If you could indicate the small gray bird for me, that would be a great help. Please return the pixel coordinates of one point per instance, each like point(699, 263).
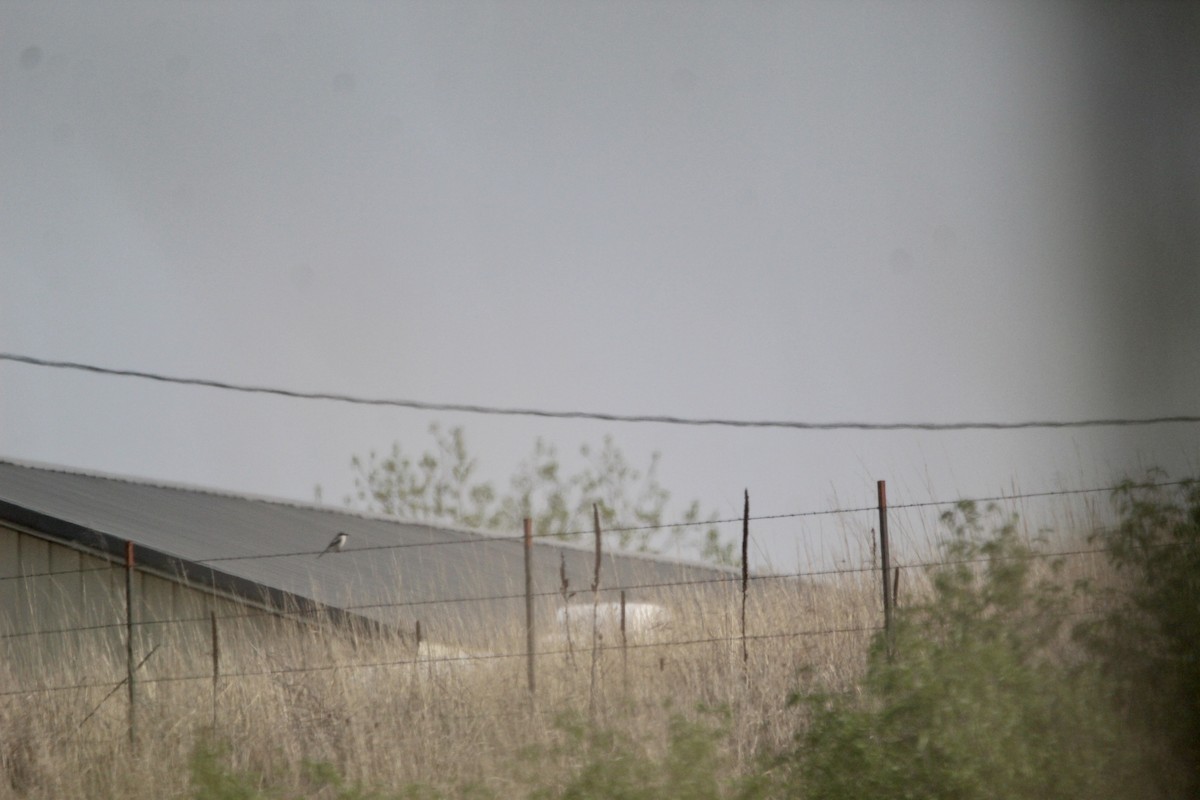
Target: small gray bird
point(336, 545)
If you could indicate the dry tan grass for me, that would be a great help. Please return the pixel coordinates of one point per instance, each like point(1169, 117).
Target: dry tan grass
point(386, 714)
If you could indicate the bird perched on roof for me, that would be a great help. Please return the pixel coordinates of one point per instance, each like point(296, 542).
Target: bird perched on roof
point(336, 545)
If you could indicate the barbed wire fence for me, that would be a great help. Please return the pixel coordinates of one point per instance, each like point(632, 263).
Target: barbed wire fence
point(731, 636)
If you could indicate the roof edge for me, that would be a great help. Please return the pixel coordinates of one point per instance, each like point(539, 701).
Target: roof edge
point(350, 512)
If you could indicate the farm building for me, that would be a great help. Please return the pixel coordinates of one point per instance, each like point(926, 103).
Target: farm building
point(200, 557)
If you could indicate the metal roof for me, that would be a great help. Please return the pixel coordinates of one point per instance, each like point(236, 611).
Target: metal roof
point(391, 572)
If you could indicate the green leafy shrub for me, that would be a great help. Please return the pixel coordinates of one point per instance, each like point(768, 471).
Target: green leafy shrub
point(971, 696)
point(1150, 640)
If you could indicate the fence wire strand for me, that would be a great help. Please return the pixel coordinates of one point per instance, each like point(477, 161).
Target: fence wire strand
point(480, 657)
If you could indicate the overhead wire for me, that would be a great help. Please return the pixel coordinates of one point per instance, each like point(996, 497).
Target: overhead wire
point(665, 419)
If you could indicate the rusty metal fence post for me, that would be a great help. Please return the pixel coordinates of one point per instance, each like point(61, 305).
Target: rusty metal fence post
point(529, 639)
point(216, 669)
point(885, 558)
point(745, 574)
point(130, 664)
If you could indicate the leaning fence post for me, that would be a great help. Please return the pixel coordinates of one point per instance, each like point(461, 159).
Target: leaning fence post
point(529, 603)
point(130, 666)
point(883, 554)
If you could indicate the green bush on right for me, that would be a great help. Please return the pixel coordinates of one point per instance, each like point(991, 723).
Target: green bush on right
point(975, 694)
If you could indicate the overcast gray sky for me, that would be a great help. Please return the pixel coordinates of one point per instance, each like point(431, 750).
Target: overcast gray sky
point(878, 211)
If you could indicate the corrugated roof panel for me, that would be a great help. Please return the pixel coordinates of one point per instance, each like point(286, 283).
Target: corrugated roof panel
point(390, 571)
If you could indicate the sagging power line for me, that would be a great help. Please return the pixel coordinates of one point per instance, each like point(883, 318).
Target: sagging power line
point(664, 419)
